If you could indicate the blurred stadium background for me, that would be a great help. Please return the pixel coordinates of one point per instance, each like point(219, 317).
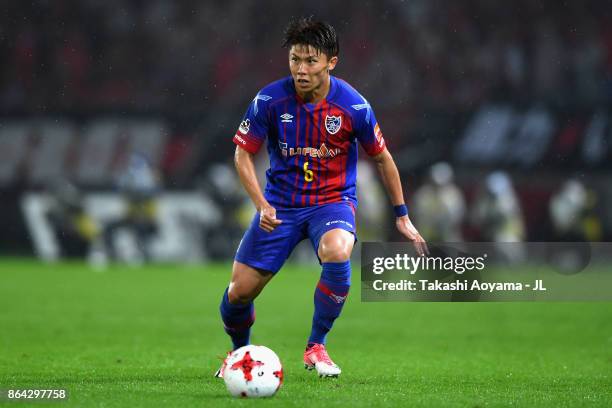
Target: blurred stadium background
point(108, 103)
point(116, 120)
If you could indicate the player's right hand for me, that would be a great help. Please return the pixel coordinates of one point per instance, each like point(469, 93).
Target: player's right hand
point(405, 227)
point(267, 219)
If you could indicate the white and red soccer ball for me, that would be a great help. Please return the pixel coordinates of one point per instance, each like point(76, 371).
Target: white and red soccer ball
point(253, 371)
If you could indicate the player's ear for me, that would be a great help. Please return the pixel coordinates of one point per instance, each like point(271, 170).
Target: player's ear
point(331, 64)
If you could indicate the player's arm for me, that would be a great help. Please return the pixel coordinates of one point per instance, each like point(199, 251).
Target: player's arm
point(391, 180)
point(245, 165)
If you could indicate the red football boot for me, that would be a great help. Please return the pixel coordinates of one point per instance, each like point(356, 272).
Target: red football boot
point(316, 357)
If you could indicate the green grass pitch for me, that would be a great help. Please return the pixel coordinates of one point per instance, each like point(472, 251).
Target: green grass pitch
point(152, 337)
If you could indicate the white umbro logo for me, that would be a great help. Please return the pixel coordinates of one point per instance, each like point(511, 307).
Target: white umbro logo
point(286, 117)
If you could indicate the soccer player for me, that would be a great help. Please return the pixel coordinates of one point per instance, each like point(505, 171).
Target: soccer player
point(312, 122)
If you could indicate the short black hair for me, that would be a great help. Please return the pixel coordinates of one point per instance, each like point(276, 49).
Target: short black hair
point(318, 34)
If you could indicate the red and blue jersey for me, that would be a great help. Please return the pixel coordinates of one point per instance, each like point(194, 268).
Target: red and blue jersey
point(312, 146)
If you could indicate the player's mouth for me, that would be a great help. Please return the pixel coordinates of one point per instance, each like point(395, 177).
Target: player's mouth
point(303, 82)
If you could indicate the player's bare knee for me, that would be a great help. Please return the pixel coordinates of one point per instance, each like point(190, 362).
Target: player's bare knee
point(334, 252)
point(336, 246)
point(238, 296)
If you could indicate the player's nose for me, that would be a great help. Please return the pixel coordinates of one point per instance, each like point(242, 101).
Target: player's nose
point(301, 70)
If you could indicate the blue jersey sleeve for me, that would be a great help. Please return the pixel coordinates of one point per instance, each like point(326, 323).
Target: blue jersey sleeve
point(367, 131)
point(255, 125)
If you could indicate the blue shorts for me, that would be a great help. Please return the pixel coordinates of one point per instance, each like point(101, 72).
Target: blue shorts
point(269, 250)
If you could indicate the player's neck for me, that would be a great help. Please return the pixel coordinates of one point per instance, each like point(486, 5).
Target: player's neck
point(318, 94)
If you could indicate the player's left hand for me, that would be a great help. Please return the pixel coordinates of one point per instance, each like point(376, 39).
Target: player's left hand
point(267, 218)
point(405, 227)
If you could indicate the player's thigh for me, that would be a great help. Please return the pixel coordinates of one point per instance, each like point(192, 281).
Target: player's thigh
point(247, 283)
point(336, 245)
point(331, 229)
point(266, 252)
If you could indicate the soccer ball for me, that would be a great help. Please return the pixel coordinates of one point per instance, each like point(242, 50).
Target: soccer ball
point(253, 371)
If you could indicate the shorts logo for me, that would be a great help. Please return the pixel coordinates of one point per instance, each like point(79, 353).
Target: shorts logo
point(333, 124)
point(286, 117)
point(244, 126)
point(339, 222)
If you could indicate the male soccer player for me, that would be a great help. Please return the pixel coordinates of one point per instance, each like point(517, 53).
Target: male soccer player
point(312, 122)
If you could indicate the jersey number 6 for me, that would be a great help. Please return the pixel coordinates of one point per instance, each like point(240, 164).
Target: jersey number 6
point(308, 175)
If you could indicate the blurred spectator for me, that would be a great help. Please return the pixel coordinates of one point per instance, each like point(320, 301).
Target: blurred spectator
point(497, 212)
point(498, 216)
point(572, 211)
point(140, 187)
point(223, 186)
point(76, 232)
point(439, 206)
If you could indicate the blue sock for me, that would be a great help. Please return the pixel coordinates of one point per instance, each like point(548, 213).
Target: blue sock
point(329, 297)
point(237, 321)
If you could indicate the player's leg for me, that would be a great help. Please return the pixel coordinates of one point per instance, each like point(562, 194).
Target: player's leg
point(260, 255)
point(333, 238)
point(332, 289)
point(237, 308)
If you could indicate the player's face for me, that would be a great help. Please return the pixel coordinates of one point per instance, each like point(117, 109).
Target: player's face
point(309, 68)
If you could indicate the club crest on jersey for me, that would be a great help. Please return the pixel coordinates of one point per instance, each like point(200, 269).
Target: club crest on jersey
point(333, 124)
